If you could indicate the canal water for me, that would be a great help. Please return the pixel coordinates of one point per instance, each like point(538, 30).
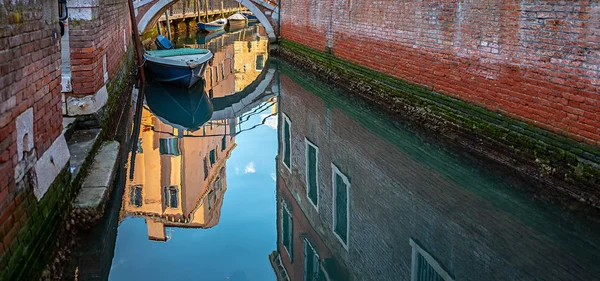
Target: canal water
point(264, 172)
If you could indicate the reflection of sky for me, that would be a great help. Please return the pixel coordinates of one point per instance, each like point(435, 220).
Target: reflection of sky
point(237, 248)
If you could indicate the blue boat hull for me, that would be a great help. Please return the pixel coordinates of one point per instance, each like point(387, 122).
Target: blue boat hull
point(176, 76)
point(209, 27)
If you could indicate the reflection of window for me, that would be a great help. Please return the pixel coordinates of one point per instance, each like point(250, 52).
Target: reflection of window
point(210, 93)
point(260, 62)
point(312, 181)
point(135, 195)
point(205, 168)
point(287, 142)
point(218, 184)
point(312, 269)
point(213, 157)
point(139, 146)
point(210, 200)
point(287, 230)
point(425, 267)
point(341, 193)
point(223, 70)
point(223, 143)
point(169, 147)
point(170, 193)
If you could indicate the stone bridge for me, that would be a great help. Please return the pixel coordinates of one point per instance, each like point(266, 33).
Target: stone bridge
point(148, 12)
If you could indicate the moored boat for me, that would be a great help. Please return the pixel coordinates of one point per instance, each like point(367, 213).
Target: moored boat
point(213, 25)
point(250, 16)
point(180, 67)
point(237, 20)
point(163, 43)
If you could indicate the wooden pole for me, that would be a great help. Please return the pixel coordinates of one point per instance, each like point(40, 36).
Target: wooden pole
point(222, 15)
point(206, 11)
point(158, 27)
point(168, 24)
point(198, 9)
point(137, 42)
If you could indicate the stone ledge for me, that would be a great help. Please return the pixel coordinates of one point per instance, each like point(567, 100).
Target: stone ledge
point(91, 200)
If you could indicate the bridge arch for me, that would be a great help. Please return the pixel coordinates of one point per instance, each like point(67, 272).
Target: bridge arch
point(156, 8)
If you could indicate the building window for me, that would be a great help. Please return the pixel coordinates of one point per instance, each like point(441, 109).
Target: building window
point(341, 206)
point(135, 196)
point(312, 174)
point(312, 268)
point(287, 230)
point(260, 62)
point(223, 143)
point(171, 196)
point(169, 147)
point(210, 199)
point(424, 267)
point(287, 142)
point(213, 157)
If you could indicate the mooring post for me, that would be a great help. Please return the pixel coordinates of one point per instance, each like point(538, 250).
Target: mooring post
point(137, 42)
point(206, 11)
point(168, 24)
point(158, 27)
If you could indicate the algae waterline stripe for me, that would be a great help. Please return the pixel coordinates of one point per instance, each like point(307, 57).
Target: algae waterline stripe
point(426, 97)
point(577, 162)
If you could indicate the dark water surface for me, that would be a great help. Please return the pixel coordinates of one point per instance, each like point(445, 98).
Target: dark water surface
point(265, 173)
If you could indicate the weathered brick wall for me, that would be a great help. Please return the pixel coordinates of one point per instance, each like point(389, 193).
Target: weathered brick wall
point(404, 189)
point(536, 61)
point(29, 78)
point(92, 40)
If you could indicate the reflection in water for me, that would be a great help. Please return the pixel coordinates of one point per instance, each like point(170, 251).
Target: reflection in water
point(178, 176)
point(359, 199)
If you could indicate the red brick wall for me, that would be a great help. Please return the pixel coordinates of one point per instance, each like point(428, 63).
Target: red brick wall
point(537, 61)
point(91, 40)
point(29, 77)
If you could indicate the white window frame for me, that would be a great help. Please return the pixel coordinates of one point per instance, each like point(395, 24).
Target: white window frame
point(336, 171)
point(285, 209)
point(417, 250)
point(306, 242)
point(286, 145)
point(307, 144)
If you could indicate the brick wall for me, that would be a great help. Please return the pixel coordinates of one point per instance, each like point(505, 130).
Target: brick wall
point(92, 40)
point(536, 61)
point(29, 78)
point(402, 188)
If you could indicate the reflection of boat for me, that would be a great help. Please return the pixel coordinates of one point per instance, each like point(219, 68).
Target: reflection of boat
point(237, 20)
point(181, 67)
point(205, 38)
point(163, 43)
point(180, 108)
point(213, 25)
point(250, 16)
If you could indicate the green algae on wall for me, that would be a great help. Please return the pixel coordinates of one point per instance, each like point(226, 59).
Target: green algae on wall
point(553, 159)
point(34, 244)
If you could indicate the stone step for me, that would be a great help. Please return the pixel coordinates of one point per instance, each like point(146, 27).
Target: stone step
point(80, 145)
point(97, 184)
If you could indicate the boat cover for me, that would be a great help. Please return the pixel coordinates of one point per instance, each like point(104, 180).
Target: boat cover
point(176, 52)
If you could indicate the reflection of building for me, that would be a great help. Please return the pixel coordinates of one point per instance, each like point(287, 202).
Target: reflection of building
point(251, 58)
point(179, 169)
point(178, 175)
point(357, 200)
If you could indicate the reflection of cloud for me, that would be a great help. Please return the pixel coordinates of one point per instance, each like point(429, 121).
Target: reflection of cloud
point(237, 170)
point(250, 168)
point(271, 121)
point(274, 177)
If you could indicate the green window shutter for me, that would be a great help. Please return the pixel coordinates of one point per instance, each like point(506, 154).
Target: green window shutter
point(287, 155)
point(213, 157)
point(312, 174)
point(341, 203)
point(223, 143)
point(205, 168)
